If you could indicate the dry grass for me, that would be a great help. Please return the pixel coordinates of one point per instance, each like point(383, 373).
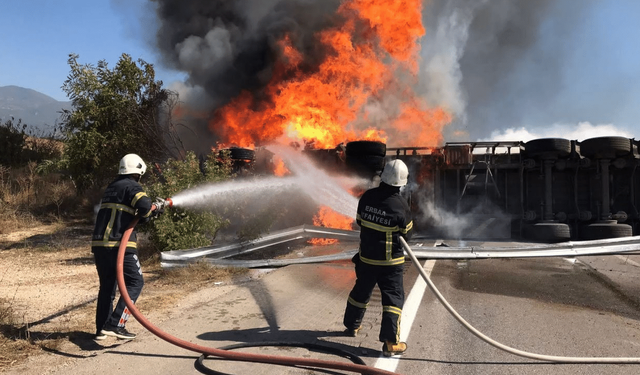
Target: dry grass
point(198, 273)
point(13, 348)
point(12, 221)
point(18, 341)
point(48, 282)
point(51, 265)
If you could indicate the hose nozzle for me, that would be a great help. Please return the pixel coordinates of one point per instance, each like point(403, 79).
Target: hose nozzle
point(161, 204)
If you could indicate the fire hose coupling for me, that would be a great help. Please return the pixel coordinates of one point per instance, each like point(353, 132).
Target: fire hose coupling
point(161, 204)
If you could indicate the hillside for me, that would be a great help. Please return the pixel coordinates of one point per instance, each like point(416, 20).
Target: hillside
point(32, 107)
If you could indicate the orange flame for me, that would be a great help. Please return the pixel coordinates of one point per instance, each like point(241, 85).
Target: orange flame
point(279, 169)
point(398, 25)
point(377, 42)
point(328, 218)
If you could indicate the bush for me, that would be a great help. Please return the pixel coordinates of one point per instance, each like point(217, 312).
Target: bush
point(21, 144)
point(12, 140)
point(178, 228)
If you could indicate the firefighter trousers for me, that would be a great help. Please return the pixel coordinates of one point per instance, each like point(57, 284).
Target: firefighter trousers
point(389, 280)
point(106, 263)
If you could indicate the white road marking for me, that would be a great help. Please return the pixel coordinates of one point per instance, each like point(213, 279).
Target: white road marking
point(409, 312)
point(628, 261)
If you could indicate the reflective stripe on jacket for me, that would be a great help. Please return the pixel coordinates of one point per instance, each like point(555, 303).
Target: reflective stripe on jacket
point(383, 215)
point(121, 202)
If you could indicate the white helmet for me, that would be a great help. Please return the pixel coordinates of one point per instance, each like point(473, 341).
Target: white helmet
point(395, 173)
point(132, 164)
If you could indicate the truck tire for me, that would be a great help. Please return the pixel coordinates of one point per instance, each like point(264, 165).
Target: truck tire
point(548, 148)
point(605, 147)
point(238, 153)
point(547, 232)
point(606, 229)
point(365, 163)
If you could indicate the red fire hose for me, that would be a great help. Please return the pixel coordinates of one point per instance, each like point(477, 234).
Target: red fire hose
point(247, 357)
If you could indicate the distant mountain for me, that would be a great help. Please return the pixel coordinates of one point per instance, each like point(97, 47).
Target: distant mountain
point(32, 107)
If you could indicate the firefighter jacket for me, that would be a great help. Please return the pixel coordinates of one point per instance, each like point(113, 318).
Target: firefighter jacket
point(122, 201)
point(383, 215)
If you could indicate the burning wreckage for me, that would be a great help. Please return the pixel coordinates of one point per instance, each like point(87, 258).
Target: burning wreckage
point(549, 190)
point(359, 74)
point(544, 190)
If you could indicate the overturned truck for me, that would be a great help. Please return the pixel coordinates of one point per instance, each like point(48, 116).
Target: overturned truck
point(547, 190)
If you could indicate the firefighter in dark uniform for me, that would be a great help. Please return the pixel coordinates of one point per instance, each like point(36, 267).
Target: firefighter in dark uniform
point(122, 201)
point(383, 215)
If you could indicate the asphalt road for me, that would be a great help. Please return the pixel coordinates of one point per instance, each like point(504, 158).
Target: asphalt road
point(588, 307)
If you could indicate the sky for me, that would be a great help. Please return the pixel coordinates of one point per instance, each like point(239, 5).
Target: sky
point(37, 36)
point(507, 69)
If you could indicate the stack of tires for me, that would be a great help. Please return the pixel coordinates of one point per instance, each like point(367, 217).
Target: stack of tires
point(365, 158)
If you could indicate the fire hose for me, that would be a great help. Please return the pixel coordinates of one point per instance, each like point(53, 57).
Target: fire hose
point(221, 353)
point(508, 349)
point(358, 368)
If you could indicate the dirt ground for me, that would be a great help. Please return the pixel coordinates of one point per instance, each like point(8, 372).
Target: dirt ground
point(48, 289)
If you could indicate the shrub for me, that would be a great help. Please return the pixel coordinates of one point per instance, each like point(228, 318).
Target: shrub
point(179, 228)
point(21, 144)
point(12, 140)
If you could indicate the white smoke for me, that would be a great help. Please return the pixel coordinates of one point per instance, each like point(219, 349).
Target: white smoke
point(578, 132)
point(196, 96)
point(442, 48)
point(207, 54)
point(502, 71)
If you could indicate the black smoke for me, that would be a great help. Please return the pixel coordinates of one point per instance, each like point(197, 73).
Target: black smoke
point(494, 64)
point(230, 46)
point(226, 47)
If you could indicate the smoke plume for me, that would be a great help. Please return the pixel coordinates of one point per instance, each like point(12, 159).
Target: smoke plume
point(504, 64)
point(325, 71)
point(228, 46)
point(492, 64)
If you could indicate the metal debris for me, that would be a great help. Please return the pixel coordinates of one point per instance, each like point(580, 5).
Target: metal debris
point(217, 254)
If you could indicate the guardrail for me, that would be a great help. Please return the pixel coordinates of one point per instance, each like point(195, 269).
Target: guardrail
point(217, 254)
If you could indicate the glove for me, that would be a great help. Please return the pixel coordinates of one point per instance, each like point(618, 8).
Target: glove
point(157, 212)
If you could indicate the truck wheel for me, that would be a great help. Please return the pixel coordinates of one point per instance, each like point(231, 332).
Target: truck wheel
point(237, 153)
point(548, 148)
point(605, 147)
point(605, 229)
point(365, 163)
point(547, 232)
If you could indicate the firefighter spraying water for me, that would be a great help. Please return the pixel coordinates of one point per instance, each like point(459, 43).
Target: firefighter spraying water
point(384, 217)
point(124, 202)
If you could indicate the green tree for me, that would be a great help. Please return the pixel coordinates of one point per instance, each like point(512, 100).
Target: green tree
point(115, 112)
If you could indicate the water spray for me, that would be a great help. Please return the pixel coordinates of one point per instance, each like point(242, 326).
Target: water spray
point(307, 178)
